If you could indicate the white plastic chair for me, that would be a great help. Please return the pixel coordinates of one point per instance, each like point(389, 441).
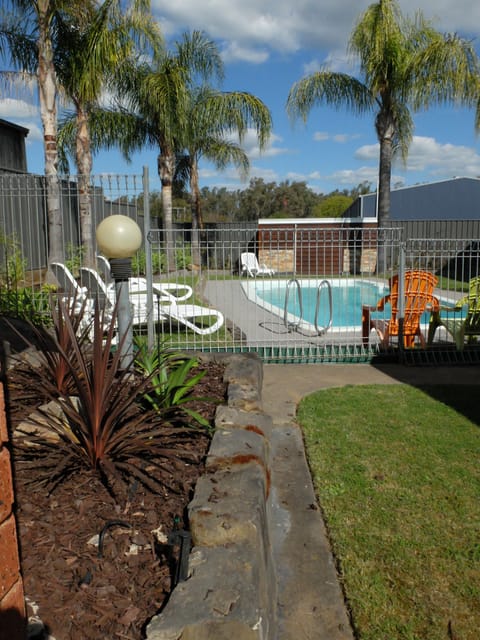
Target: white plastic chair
point(250, 265)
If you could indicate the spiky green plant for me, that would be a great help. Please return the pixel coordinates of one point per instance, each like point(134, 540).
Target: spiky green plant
point(172, 382)
point(101, 422)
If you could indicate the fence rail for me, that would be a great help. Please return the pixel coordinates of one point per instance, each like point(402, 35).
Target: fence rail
point(333, 268)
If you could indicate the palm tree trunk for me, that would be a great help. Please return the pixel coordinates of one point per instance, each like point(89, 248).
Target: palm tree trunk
point(47, 87)
point(166, 169)
point(385, 130)
point(84, 167)
point(197, 222)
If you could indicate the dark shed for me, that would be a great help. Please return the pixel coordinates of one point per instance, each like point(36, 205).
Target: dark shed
point(455, 199)
point(13, 157)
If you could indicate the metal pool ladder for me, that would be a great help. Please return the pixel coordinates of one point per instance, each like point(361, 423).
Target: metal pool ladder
point(324, 284)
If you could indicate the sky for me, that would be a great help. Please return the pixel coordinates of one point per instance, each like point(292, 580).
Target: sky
point(268, 45)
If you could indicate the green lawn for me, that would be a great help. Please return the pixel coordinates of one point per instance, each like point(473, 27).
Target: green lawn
point(397, 474)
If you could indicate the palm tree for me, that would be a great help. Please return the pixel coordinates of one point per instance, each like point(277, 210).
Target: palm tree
point(212, 116)
point(406, 65)
point(156, 109)
point(89, 53)
point(153, 110)
point(31, 52)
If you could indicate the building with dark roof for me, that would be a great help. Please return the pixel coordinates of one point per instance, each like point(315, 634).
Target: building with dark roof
point(454, 199)
point(13, 156)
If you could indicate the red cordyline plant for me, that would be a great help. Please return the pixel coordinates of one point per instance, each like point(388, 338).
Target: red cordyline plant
point(97, 418)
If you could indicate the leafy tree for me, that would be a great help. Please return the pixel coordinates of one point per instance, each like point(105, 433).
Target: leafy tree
point(220, 204)
point(294, 200)
point(406, 65)
point(258, 200)
point(333, 206)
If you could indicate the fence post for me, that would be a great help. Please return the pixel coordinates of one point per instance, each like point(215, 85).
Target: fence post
point(401, 295)
point(148, 258)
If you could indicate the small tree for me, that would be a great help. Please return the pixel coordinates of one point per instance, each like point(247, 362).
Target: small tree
point(333, 206)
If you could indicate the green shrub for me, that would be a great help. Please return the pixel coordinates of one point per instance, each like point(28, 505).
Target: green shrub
point(27, 304)
point(13, 264)
point(74, 259)
point(183, 257)
point(139, 265)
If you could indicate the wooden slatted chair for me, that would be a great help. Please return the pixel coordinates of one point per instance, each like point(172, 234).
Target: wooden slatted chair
point(418, 295)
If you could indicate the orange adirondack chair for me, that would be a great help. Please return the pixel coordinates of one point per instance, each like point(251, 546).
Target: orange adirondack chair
point(418, 293)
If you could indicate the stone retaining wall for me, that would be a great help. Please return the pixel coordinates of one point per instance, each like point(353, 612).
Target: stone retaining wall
point(12, 604)
point(231, 588)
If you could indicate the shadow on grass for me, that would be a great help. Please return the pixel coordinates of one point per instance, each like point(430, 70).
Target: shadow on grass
point(440, 374)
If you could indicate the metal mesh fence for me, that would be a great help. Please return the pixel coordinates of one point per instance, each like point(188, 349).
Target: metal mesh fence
point(292, 293)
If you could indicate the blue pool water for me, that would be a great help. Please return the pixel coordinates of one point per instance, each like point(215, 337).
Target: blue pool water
point(348, 296)
point(347, 300)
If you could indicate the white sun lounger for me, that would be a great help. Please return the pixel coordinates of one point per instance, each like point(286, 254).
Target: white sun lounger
point(180, 291)
point(165, 307)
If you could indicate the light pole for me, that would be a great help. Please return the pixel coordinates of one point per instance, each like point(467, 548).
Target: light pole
point(118, 238)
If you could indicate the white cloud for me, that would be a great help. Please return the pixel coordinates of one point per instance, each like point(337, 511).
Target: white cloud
point(235, 52)
point(432, 158)
point(342, 178)
point(12, 109)
point(340, 138)
point(251, 148)
point(367, 152)
point(230, 178)
point(35, 133)
point(277, 25)
point(269, 175)
point(428, 155)
point(24, 114)
point(353, 176)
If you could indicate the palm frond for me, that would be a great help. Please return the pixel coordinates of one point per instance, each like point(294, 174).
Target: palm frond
point(334, 89)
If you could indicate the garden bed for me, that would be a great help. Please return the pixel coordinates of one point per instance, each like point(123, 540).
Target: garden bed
point(91, 568)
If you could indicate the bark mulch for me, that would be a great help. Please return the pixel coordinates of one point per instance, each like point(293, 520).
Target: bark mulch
point(93, 569)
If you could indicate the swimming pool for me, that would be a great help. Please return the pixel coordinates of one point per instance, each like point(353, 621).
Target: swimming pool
point(348, 296)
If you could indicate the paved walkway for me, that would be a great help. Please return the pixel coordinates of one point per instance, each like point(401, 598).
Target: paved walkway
point(311, 605)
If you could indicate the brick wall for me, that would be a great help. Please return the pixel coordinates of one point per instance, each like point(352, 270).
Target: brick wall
point(12, 604)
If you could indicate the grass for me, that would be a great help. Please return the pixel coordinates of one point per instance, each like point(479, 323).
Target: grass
point(397, 474)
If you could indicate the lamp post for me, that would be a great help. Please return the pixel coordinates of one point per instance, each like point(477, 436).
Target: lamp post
point(118, 238)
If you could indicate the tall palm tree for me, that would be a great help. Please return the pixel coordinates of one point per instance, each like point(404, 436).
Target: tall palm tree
point(89, 53)
point(406, 65)
point(31, 50)
point(212, 116)
point(153, 110)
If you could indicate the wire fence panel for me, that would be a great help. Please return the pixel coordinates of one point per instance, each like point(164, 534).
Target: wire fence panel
point(289, 291)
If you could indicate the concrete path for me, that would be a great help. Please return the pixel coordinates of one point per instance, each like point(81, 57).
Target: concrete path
point(310, 599)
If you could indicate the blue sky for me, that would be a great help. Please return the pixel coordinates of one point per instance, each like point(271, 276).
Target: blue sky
point(267, 45)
